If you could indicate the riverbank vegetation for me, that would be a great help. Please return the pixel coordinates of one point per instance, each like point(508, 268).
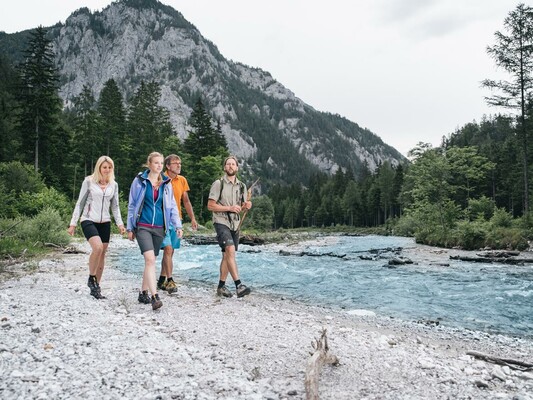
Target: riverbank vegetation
point(472, 191)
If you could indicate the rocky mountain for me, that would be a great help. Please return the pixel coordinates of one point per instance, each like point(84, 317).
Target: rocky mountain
point(263, 121)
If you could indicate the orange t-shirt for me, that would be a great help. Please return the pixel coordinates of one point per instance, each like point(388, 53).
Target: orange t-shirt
point(180, 186)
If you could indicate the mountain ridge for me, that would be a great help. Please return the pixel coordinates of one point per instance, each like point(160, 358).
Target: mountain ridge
point(264, 122)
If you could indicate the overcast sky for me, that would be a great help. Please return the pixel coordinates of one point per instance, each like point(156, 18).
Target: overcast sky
point(408, 70)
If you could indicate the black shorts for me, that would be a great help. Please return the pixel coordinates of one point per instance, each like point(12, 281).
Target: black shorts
point(226, 237)
point(91, 229)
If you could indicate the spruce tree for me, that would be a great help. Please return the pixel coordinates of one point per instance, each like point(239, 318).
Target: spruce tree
point(204, 149)
point(112, 119)
point(10, 143)
point(85, 139)
point(148, 124)
point(514, 53)
point(39, 102)
point(117, 144)
point(203, 139)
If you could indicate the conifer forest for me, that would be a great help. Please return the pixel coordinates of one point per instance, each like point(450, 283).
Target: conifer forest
point(471, 190)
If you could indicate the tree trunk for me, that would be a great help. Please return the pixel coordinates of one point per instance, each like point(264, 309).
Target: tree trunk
point(525, 167)
point(36, 144)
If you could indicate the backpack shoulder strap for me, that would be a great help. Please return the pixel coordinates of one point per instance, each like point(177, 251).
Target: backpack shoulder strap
point(241, 186)
point(221, 188)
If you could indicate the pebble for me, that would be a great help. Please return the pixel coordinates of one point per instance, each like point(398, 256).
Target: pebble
point(498, 373)
point(196, 347)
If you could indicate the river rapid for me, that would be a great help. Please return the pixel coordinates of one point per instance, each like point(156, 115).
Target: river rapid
point(352, 273)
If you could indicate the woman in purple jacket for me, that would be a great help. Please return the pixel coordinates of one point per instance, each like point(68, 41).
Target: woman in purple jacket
point(152, 211)
point(98, 194)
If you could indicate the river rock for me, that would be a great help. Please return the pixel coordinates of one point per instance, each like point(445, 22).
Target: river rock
point(199, 346)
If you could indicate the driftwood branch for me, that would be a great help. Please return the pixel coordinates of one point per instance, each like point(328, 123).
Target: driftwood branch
point(72, 250)
point(513, 364)
point(10, 227)
point(248, 198)
point(310, 254)
point(318, 359)
point(53, 245)
point(242, 219)
point(502, 260)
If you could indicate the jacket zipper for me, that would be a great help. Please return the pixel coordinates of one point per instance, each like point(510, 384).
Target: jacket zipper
point(103, 199)
point(154, 201)
point(164, 213)
point(141, 195)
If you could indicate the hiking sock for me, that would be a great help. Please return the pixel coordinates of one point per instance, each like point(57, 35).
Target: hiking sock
point(169, 279)
point(237, 283)
point(161, 280)
point(221, 284)
point(92, 282)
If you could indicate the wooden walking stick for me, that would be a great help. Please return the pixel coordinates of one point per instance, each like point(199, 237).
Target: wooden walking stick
point(248, 198)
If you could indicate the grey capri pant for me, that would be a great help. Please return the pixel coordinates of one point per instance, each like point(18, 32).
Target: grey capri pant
point(150, 238)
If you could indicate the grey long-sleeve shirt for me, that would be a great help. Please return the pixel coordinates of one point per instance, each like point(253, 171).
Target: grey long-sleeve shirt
point(97, 203)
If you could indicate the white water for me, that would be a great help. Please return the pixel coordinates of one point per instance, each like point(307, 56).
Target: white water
point(487, 297)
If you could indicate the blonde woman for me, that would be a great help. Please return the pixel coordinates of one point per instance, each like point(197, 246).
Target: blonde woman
point(98, 195)
point(152, 211)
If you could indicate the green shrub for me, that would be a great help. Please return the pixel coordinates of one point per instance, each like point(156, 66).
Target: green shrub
point(8, 203)
point(436, 236)
point(506, 238)
point(404, 226)
point(482, 207)
point(18, 177)
point(525, 221)
point(471, 234)
point(261, 216)
point(501, 219)
point(23, 192)
point(31, 204)
point(46, 227)
point(12, 247)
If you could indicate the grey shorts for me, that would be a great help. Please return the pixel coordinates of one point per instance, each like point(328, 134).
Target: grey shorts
point(150, 238)
point(226, 237)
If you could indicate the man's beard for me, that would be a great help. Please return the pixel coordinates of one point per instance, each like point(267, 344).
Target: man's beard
point(231, 173)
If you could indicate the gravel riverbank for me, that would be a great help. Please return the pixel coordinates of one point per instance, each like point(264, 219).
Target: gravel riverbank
point(58, 342)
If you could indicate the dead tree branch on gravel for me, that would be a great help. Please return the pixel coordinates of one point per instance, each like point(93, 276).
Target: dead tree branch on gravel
point(513, 364)
point(318, 359)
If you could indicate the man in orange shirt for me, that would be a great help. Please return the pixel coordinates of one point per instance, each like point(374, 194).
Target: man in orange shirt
point(171, 242)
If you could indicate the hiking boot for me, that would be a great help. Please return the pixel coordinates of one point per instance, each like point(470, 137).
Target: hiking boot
point(156, 302)
point(242, 290)
point(171, 286)
point(162, 285)
point(92, 282)
point(224, 292)
point(143, 297)
point(95, 292)
point(95, 288)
